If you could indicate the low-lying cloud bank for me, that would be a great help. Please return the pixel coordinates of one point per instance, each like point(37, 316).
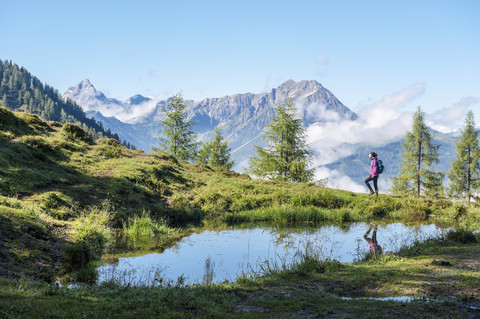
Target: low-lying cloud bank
point(378, 122)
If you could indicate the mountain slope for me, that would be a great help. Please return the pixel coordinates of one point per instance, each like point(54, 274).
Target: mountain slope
point(20, 91)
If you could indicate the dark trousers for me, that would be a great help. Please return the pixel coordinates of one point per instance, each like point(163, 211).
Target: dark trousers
point(374, 179)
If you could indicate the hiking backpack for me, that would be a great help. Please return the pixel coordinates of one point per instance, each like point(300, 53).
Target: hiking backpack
point(380, 167)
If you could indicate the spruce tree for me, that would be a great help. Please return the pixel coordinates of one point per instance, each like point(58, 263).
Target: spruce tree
point(287, 155)
point(216, 153)
point(465, 172)
point(419, 155)
point(179, 139)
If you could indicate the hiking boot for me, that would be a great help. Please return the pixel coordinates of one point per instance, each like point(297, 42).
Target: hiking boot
point(371, 193)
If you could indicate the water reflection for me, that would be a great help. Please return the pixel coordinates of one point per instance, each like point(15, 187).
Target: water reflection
point(374, 249)
point(216, 256)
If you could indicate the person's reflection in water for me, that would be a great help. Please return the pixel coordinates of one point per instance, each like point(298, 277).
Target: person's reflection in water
point(374, 249)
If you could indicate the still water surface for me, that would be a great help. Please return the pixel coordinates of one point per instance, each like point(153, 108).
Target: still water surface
point(216, 256)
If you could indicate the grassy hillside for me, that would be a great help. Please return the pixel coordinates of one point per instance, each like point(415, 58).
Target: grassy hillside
point(65, 198)
point(21, 91)
point(58, 187)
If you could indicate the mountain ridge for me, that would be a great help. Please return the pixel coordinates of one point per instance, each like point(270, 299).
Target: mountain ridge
point(241, 117)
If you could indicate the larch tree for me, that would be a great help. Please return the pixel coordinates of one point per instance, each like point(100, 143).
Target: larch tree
point(419, 155)
point(178, 138)
point(287, 156)
point(465, 169)
point(216, 153)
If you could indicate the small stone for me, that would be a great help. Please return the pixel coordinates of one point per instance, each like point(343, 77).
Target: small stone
point(244, 308)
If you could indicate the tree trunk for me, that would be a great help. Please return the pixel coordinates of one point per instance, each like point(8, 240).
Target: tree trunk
point(469, 177)
point(419, 163)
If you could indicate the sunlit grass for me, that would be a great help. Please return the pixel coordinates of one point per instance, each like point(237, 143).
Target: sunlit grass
point(142, 230)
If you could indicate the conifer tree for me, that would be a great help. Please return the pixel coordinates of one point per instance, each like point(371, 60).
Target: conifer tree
point(179, 139)
point(419, 154)
point(287, 155)
point(465, 172)
point(216, 153)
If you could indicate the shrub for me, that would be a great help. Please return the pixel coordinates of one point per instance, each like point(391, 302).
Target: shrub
point(88, 274)
point(78, 255)
point(110, 148)
point(74, 132)
point(459, 212)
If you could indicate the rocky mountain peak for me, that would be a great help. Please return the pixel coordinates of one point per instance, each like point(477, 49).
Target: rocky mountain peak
point(293, 89)
point(82, 88)
point(137, 99)
point(85, 94)
point(85, 84)
point(287, 85)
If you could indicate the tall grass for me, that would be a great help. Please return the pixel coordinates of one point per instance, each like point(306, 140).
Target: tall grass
point(307, 261)
point(287, 214)
point(142, 230)
point(93, 228)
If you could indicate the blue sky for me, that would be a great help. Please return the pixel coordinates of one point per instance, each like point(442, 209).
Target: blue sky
point(362, 51)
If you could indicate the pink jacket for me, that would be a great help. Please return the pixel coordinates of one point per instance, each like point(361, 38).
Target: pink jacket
point(373, 167)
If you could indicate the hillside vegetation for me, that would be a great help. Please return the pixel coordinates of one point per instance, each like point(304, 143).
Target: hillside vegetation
point(59, 188)
point(65, 198)
point(21, 91)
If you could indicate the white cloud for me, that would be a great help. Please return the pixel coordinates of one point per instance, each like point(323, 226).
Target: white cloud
point(451, 118)
point(337, 180)
point(131, 113)
point(316, 112)
point(377, 122)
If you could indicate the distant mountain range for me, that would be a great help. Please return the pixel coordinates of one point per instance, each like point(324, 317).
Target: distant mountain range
point(241, 117)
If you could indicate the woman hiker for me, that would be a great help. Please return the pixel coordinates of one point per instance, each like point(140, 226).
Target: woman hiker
point(373, 174)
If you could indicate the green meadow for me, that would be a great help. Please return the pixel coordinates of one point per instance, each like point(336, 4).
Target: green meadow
point(66, 201)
